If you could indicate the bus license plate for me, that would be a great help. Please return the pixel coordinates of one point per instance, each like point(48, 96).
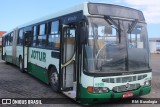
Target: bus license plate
point(127, 94)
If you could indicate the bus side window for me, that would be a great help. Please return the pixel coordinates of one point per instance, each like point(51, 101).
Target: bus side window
point(54, 36)
point(34, 36)
point(6, 40)
point(42, 36)
point(11, 39)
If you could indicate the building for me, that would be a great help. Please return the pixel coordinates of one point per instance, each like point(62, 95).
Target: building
point(1, 33)
point(154, 45)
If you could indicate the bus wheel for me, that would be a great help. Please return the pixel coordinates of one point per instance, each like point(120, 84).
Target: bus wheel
point(21, 65)
point(53, 79)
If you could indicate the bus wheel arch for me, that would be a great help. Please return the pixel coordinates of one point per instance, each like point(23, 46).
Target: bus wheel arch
point(53, 78)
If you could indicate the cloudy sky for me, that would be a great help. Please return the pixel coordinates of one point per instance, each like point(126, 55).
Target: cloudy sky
point(17, 12)
point(151, 8)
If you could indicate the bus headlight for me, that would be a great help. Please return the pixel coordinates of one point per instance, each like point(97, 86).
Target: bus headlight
point(147, 83)
point(98, 90)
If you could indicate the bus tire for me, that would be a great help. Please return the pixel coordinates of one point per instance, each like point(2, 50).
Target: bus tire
point(53, 79)
point(21, 66)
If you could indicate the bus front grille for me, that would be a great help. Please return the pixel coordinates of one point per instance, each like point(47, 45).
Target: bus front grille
point(124, 88)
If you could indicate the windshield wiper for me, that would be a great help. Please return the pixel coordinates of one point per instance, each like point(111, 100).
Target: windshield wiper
point(131, 27)
point(116, 26)
point(111, 22)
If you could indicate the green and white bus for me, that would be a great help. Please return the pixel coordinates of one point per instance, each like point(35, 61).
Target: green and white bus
point(92, 53)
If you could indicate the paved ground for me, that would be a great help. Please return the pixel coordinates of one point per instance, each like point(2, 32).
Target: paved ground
point(14, 84)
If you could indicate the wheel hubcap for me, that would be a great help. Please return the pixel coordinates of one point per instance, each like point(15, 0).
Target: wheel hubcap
point(54, 78)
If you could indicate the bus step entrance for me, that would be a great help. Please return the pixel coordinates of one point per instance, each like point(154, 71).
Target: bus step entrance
point(70, 94)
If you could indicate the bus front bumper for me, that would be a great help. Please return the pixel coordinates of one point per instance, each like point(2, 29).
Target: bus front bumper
point(91, 98)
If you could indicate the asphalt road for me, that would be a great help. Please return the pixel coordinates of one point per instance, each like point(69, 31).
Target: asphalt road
point(14, 84)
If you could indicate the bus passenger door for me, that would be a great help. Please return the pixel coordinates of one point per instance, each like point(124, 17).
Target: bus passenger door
point(68, 66)
point(27, 43)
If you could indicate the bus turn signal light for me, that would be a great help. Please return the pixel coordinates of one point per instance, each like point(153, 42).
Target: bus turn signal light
point(90, 89)
point(97, 90)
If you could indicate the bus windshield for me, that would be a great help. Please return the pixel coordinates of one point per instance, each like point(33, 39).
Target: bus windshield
point(113, 46)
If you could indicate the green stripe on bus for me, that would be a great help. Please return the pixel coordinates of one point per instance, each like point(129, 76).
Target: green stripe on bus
point(39, 72)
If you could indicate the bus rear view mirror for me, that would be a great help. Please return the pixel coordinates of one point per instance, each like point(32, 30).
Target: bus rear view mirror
point(83, 35)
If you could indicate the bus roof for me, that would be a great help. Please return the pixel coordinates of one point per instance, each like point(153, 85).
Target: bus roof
point(76, 8)
point(57, 14)
point(73, 9)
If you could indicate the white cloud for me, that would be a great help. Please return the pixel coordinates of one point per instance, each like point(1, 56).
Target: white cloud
point(150, 8)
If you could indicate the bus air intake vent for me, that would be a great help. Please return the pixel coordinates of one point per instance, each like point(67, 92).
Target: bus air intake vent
point(124, 79)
